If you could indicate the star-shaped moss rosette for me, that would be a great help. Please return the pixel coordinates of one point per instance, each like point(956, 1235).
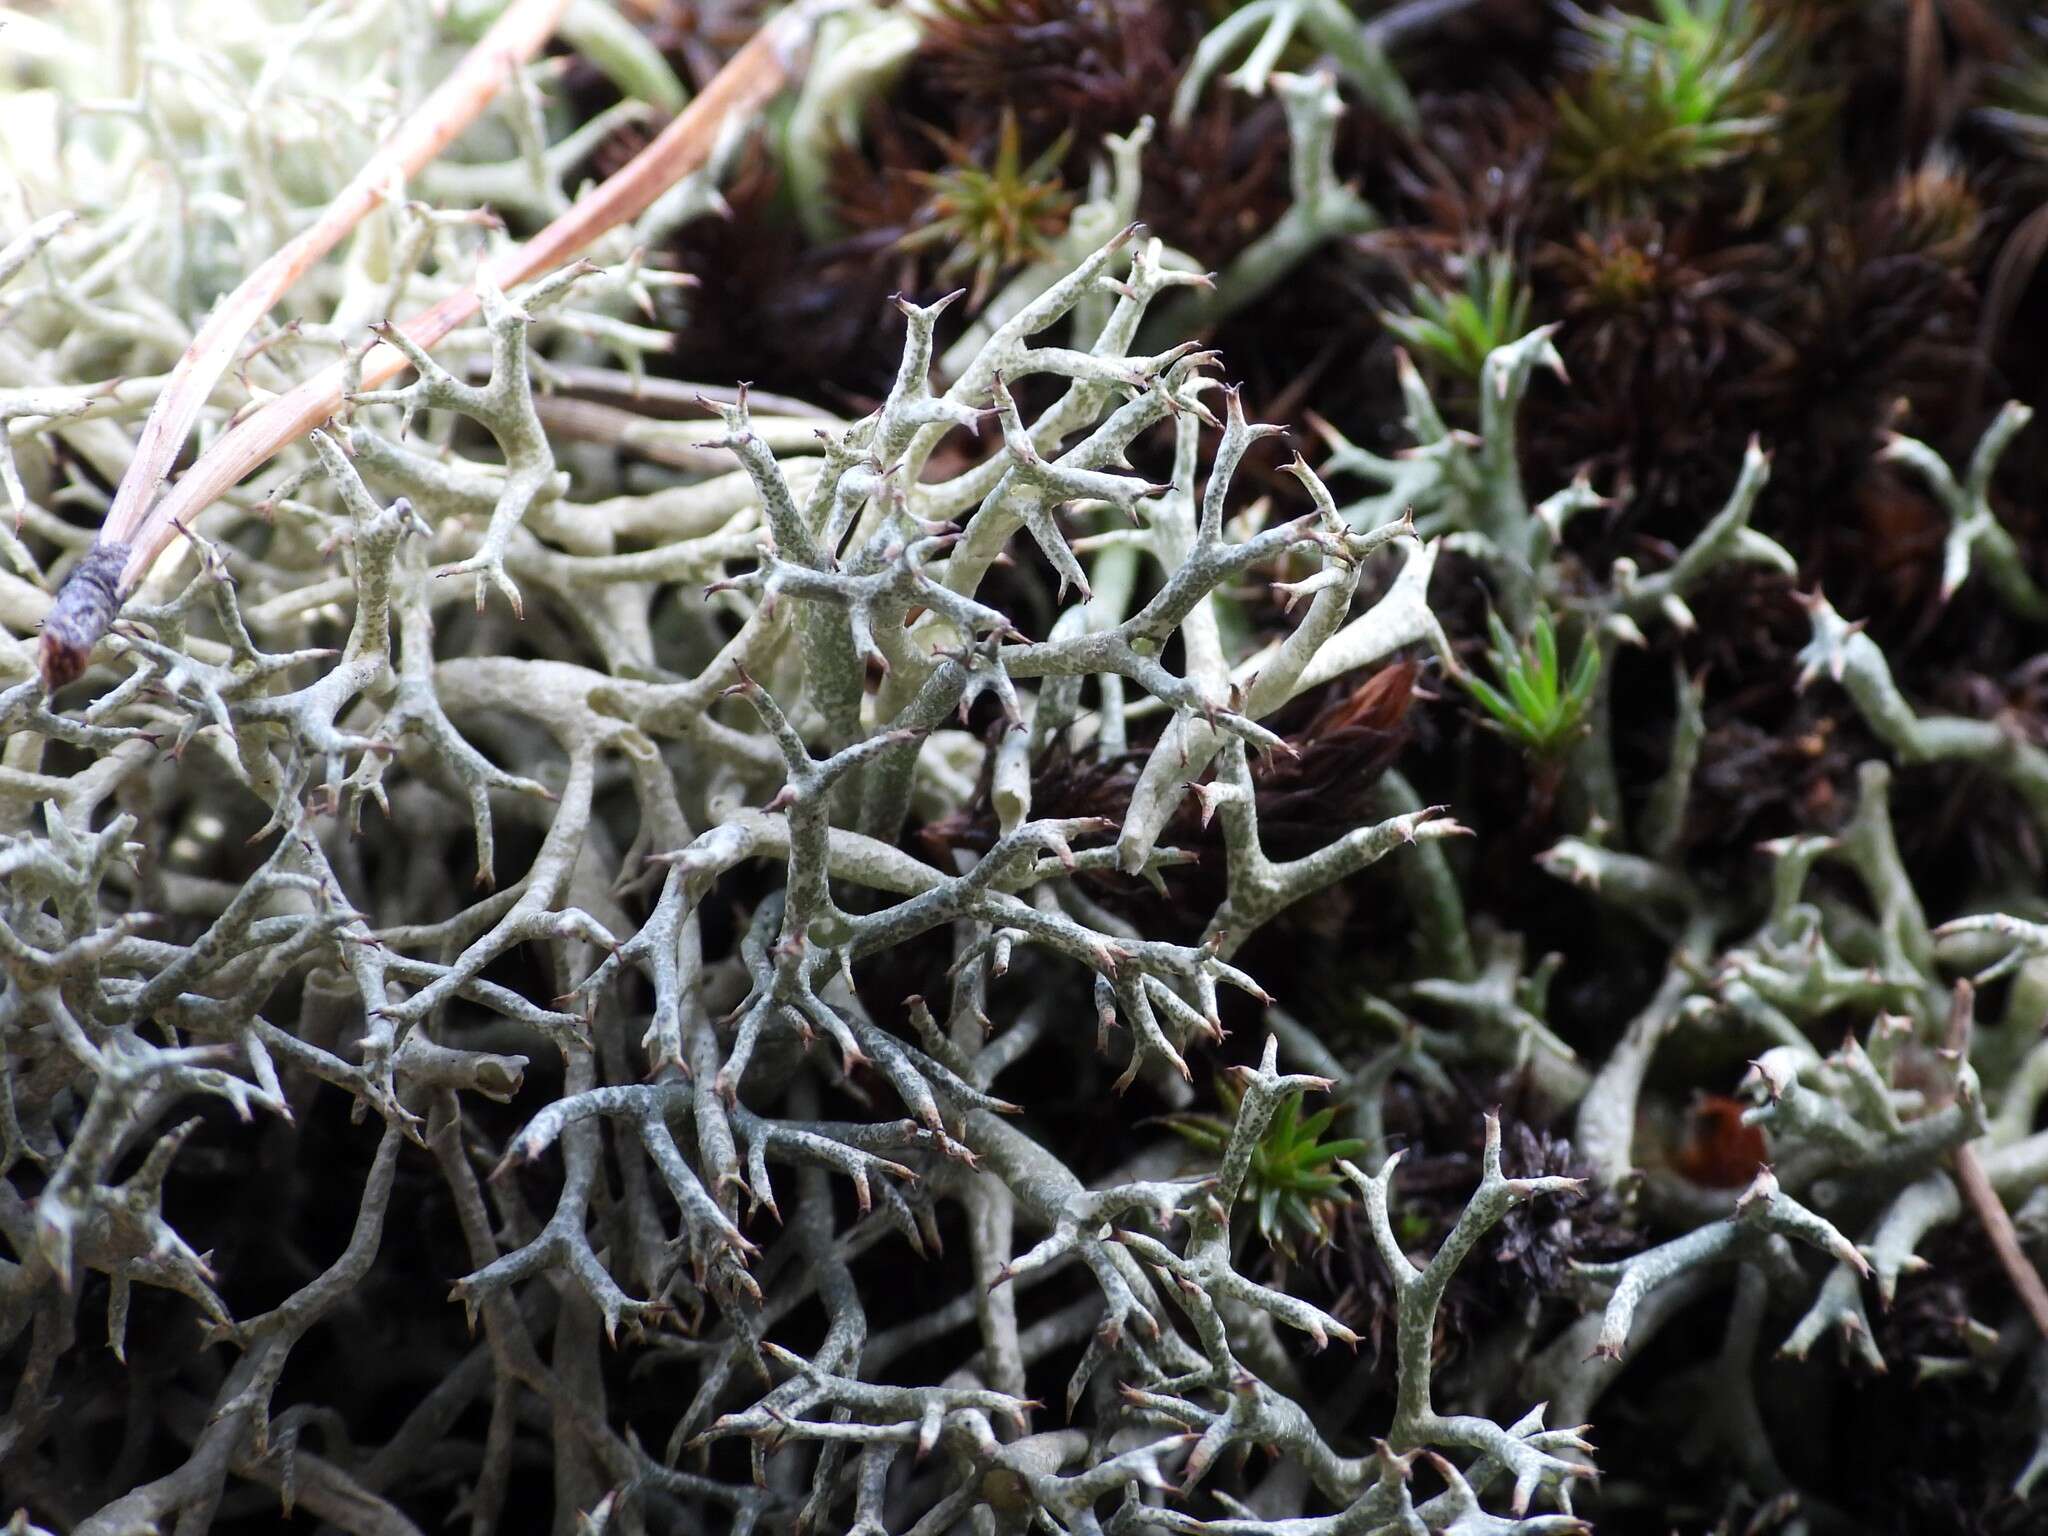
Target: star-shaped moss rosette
point(1455, 328)
point(1541, 702)
point(1295, 1187)
point(994, 220)
point(1695, 86)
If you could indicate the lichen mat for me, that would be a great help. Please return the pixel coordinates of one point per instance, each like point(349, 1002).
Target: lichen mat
point(798, 929)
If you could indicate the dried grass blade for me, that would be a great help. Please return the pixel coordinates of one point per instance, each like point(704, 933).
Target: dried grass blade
point(452, 107)
point(111, 570)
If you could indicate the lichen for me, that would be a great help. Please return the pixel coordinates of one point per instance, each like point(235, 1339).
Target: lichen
point(469, 875)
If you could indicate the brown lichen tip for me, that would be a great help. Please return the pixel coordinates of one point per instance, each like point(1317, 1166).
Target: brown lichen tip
point(84, 611)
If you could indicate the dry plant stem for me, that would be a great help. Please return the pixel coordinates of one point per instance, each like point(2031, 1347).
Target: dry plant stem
point(1982, 1199)
point(82, 615)
point(453, 106)
point(1990, 1210)
point(750, 79)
